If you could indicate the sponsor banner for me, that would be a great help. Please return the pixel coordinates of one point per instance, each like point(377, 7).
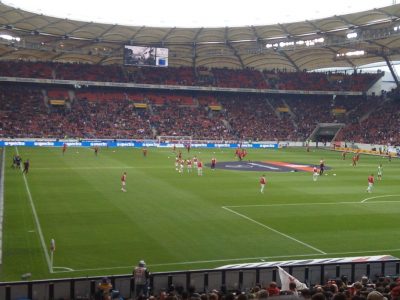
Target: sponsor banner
point(309, 262)
point(283, 109)
point(140, 105)
point(57, 102)
point(215, 107)
point(129, 143)
point(391, 150)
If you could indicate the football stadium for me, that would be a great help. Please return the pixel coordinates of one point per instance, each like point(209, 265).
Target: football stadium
point(200, 162)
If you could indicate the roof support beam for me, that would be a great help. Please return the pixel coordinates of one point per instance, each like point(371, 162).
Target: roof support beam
point(392, 71)
point(344, 20)
point(107, 31)
point(283, 53)
point(257, 37)
point(77, 28)
point(387, 14)
point(51, 23)
point(232, 48)
point(194, 49)
point(167, 34)
point(284, 30)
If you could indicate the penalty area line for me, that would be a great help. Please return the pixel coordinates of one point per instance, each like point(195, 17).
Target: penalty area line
point(274, 230)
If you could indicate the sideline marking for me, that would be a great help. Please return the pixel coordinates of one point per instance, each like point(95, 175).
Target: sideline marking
point(99, 168)
point(3, 161)
point(37, 223)
point(320, 203)
point(383, 196)
point(64, 268)
point(235, 259)
point(274, 230)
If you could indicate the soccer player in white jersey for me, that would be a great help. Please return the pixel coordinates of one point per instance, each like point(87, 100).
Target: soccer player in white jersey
point(380, 172)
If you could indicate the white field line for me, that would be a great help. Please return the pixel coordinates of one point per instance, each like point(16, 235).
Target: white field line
point(364, 201)
point(3, 162)
point(101, 168)
point(241, 259)
point(37, 223)
point(274, 230)
point(64, 268)
point(383, 196)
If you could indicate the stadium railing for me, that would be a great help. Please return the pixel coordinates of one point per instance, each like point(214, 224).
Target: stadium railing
point(233, 278)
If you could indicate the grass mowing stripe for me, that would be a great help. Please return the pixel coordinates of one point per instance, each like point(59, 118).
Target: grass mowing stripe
point(3, 162)
point(274, 230)
point(38, 227)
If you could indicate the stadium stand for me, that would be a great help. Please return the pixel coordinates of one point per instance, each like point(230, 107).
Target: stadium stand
point(184, 76)
point(141, 114)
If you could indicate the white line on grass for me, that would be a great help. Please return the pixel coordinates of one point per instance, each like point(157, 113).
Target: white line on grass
point(100, 168)
point(273, 230)
point(242, 259)
point(383, 196)
point(64, 268)
point(318, 203)
point(3, 161)
point(35, 216)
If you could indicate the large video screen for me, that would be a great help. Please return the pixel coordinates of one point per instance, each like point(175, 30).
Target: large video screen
point(145, 56)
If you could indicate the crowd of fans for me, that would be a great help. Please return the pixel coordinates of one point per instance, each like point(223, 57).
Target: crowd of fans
point(216, 77)
point(379, 288)
point(252, 118)
point(380, 127)
point(382, 288)
point(27, 111)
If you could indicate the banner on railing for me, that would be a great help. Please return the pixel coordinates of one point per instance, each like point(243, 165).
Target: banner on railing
point(132, 143)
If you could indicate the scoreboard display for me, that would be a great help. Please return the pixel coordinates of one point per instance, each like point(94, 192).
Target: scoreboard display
point(145, 56)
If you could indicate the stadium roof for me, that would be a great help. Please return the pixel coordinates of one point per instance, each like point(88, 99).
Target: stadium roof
point(302, 45)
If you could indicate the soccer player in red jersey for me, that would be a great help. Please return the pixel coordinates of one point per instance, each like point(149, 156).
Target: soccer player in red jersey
point(123, 182)
point(213, 163)
point(371, 181)
point(64, 148)
point(237, 153)
point(263, 182)
point(199, 168)
point(315, 173)
point(354, 159)
point(189, 165)
point(244, 153)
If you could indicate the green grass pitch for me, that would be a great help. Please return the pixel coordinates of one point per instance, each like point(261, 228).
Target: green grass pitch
point(183, 221)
